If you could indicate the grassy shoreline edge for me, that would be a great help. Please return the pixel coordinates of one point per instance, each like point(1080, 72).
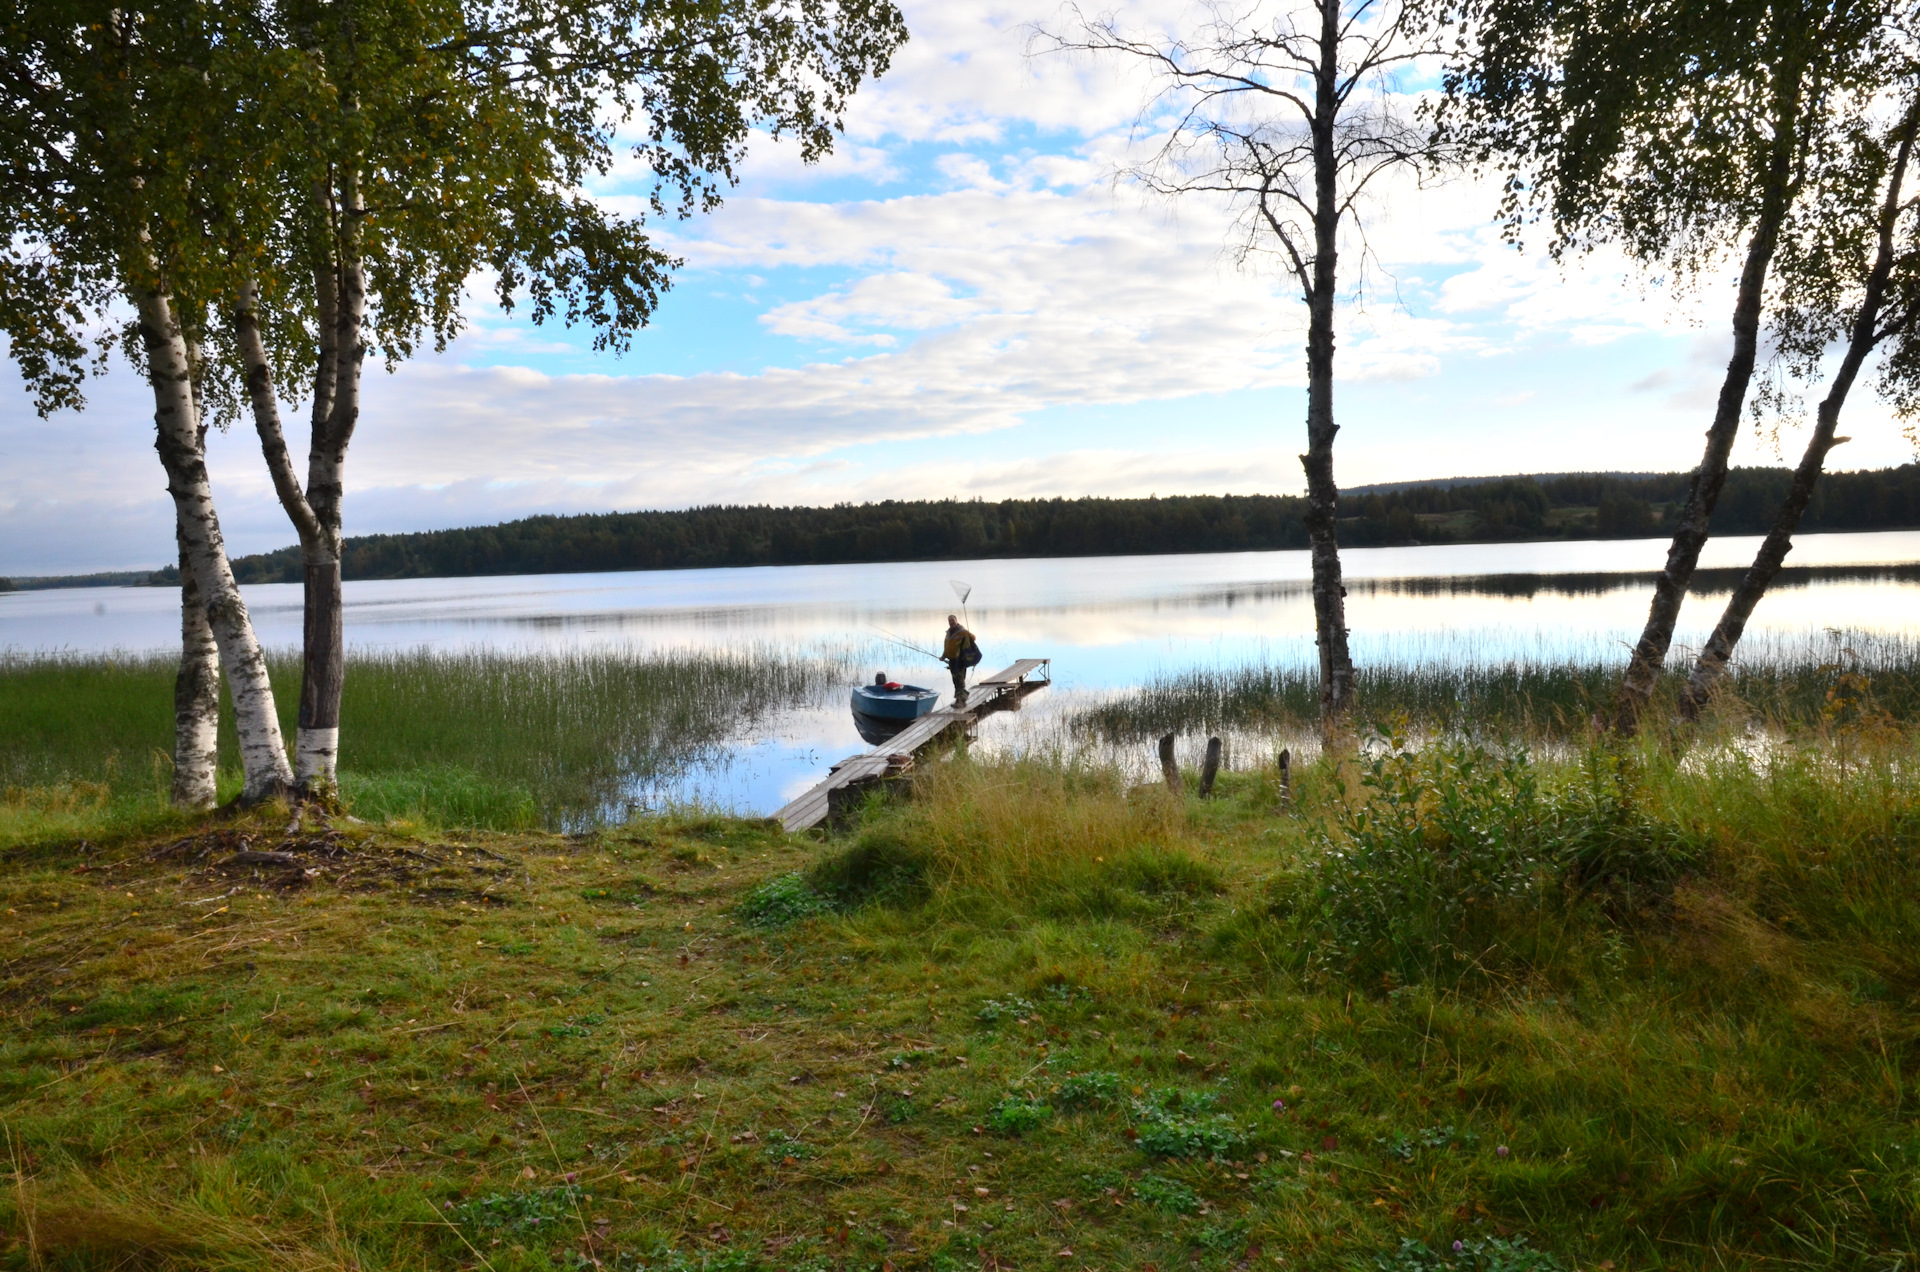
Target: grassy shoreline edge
point(1665, 1020)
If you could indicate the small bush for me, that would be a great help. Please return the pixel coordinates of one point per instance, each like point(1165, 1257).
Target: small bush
point(1169, 1195)
point(1016, 1115)
point(1088, 1090)
point(780, 901)
point(1173, 1123)
point(1445, 849)
point(1458, 855)
point(782, 1147)
point(520, 1214)
point(1227, 1237)
point(1480, 1254)
point(994, 1010)
point(1610, 848)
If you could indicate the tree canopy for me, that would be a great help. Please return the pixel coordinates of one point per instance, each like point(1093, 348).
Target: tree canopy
point(204, 145)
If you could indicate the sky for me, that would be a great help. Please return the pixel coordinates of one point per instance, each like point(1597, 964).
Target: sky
point(965, 301)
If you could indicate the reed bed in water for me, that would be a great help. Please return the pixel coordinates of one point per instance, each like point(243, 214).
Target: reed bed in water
point(1845, 678)
point(465, 738)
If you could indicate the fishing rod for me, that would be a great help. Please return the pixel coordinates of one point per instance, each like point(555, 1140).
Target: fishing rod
point(907, 644)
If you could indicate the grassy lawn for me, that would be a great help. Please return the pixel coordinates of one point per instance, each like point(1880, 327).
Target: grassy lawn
point(1026, 1019)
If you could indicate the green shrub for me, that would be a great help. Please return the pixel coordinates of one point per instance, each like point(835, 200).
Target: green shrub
point(780, 901)
point(1479, 1254)
point(994, 1010)
point(1610, 849)
point(781, 1147)
point(734, 1260)
point(520, 1214)
point(1173, 1123)
point(1227, 1237)
point(1458, 857)
point(1088, 1090)
point(1016, 1115)
point(1446, 847)
point(1169, 1195)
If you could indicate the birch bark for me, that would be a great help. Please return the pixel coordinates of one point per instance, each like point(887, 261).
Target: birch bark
point(325, 662)
point(316, 745)
point(263, 755)
point(1323, 495)
point(1710, 668)
point(316, 511)
point(196, 698)
point(1690, 535)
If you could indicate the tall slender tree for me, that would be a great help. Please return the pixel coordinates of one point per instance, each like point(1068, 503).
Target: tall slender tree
point(1289, 111)
point(446, 137)
point(1850, 272)
point(126, 149)
point(1682, 132)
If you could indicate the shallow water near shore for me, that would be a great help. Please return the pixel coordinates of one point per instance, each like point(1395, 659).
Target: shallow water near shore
point(1110, 625)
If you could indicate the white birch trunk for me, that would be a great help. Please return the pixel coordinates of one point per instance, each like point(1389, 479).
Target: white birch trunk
point(325, 672)
point(196, 700)
point(316, 748)
point(263, 754)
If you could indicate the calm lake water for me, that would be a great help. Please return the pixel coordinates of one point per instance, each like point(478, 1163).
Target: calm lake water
point(1107, 622)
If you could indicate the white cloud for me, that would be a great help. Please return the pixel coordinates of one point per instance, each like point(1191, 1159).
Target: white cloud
point(981, 271)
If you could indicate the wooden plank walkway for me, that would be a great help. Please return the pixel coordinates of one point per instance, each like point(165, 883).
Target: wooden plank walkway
point(896, 753)
point(1015, 674)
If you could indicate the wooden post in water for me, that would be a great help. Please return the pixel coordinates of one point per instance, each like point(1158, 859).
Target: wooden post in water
point(1169, 769)
point(1286, 777)
point(1211, 770)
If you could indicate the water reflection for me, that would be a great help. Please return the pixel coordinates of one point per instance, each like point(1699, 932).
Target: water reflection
point(1108, 623)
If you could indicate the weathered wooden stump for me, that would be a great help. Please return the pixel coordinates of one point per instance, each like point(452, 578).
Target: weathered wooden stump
point(1211, 769)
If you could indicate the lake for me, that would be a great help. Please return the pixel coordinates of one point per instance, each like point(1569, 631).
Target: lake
point(1108, 623)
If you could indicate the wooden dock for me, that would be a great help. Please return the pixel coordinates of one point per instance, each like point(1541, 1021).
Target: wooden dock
point(998, 692)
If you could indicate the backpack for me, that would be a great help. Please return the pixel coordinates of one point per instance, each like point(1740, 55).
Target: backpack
point(970, 656)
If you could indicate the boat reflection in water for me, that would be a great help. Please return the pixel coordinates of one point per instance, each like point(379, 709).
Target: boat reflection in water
point(885, 707)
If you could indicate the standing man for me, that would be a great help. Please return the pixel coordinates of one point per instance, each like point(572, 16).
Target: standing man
point(960, 652)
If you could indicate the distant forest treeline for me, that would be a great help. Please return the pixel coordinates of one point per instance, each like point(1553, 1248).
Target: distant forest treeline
point(1495, 510)
point(1504, 509)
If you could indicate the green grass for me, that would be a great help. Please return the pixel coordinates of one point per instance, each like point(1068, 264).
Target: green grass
point(1030, 1010)
point(446, 739)
point(1855, 675)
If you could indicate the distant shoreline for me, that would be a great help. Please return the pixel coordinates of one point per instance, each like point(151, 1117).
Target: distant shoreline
point(1524, 509)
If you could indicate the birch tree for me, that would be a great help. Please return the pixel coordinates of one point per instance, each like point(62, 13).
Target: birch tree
point(1683, 133)
point(126, 148)
point(1290, 113)
point(448, 137)
point(1852, 274)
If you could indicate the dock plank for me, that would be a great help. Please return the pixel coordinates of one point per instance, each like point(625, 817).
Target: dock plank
point(1011, 675)
point(811, 806)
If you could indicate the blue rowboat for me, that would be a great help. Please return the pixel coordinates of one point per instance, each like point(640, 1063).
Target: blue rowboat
point(893, 701)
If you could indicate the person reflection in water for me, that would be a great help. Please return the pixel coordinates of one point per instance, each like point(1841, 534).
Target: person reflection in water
point(960, 652)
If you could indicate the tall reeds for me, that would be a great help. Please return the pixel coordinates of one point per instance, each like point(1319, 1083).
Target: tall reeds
point(464, 738)
point(1787, 686)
